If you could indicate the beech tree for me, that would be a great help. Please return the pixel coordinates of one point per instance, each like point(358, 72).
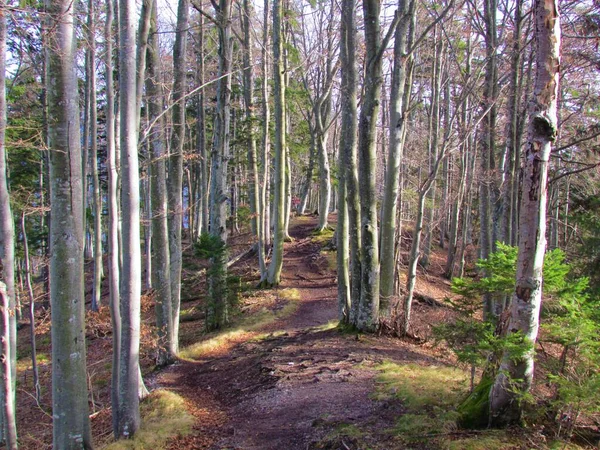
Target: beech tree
point(516, 374)
point(128, 414)
point(71, 426)
point(274, 271)
point(8, 427)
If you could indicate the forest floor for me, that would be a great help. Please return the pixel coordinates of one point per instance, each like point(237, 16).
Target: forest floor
point(283, 375)
point(296, 382)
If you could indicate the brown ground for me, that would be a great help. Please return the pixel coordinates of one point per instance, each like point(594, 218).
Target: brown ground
point(292, 388)
point(288, 385)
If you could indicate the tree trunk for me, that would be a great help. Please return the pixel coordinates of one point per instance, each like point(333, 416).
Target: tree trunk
point(113, 216)
point(254, 188)
point(175, 186)
point(349, 149)
point(36, 375)
point(515, 375)
point(368, 310)
point(131, 277)
point(218, 313)
point(93, 156)
point(8, 407)
point(488, 149)
point(398, 107)
point(266, 178)
point(71, 426)
point(8, 431)
point(161, 267)
point(274, 271)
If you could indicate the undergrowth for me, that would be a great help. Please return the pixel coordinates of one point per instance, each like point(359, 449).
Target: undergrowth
point(429, 396)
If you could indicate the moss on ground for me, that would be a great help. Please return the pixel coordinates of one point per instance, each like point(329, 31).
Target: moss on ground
point(164, 416)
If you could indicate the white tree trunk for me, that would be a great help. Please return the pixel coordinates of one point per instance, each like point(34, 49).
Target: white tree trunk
point(515, 375)
point(71, 426)
point(131, 276)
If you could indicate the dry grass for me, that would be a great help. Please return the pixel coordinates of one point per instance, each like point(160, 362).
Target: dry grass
point(164, 416)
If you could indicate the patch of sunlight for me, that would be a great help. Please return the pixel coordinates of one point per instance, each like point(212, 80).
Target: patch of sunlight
point(486, 440)
point(420, 427)
point(24, 361)
point(420, 386)
point(289, 294)
point(164, 416)
point(247, 328)
point(331, 325)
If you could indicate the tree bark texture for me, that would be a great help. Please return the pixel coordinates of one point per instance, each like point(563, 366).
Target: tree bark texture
point(8, 428)
point(515, 375)
point(175, 185)
point(218, 314)
point(274, 271)
point(161, 267)
point(71, 426)
point(131, 276)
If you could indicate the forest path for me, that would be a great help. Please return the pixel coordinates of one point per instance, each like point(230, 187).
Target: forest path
point(296, 382)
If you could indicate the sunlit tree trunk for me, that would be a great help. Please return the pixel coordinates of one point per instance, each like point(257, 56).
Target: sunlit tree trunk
point(93, 156)
point(8, 431)
point(161, 268)
point(274, 271)
point(516, 374)
point(131, 277)
point(265, 159)
point(398, 118)
point(218, 313)
point(113, 215)
point(71, 426)
point(175, 185)
point(254, 189)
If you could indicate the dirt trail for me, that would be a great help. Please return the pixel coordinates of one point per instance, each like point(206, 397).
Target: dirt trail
point(294, 388)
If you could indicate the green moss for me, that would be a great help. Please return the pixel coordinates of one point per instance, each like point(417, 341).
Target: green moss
point(323, 237)
point(474, 411)
point(164, 416)
point(489, 440)
point(421, 386)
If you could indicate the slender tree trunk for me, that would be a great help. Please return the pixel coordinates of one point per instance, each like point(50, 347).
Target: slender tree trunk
point(265, 158)
point(433, 150)
point(204, 163)
point(93, 155)
point(309, 174)
point(218, 314)
point(175, 185)
point(368, 312)
point(254, 188)
point(161, 273)
point(36, 375)
point(71, 426)
point(516, 374)
point(8, 431)
point(113, 216)
point(389, 210)
point(8, 407)
point(488, 150)
point(349, 148)
point(131, 277)
point(274, 271)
